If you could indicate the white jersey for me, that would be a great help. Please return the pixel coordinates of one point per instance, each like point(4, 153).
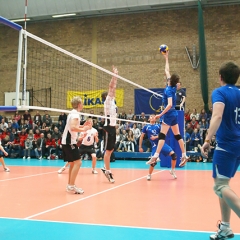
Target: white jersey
point(70, 137)
point(110, 110)
point(88, 140)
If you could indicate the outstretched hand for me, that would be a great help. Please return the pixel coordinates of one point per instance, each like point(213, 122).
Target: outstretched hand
point(114, 69)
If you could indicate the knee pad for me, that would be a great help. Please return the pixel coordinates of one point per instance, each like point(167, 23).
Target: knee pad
point(161, 136)
point(220, 183)
point(153, 164)
point(178, 137)
point(174, 156)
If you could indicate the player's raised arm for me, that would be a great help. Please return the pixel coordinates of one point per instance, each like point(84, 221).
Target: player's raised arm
point(167, 69)
point(113, 84)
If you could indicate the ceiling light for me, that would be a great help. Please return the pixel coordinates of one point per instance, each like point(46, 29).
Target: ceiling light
point(64, 15)
point(21, 20)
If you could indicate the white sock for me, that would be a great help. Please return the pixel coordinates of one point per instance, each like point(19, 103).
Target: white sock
point(225, 225)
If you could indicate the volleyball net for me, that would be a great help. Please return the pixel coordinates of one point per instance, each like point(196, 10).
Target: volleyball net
point(48, 77)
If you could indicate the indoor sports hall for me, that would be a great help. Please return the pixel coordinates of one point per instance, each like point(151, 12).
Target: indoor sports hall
point(53, 51)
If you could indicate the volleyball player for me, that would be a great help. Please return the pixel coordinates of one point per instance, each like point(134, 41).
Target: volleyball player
point(109, 128)
point(170, 115)
point(225, 123)
point(2, 151)
point(69, 144)
point(152, 130)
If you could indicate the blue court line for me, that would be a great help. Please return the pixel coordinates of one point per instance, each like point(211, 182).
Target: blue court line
point(125, 164)
point(12, 229)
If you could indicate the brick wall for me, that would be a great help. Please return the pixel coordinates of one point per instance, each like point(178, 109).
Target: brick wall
point(131, 43)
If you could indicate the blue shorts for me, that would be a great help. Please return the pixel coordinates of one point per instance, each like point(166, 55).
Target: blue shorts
point(171, 118)
point(165, 150)
point(225, 163)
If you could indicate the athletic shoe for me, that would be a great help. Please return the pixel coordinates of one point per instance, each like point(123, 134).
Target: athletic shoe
point(6, 169)
point(94, 171)
point(183, 161)
point(226, 233)
point(153, 160)
point(56, 157)
point(24, 157)
point(172, 172)
point(108, 175)
point(149, 177)
point(48, 157)
point(40, 158)
point(61, 170)
point(28, 158)
point(75, 189)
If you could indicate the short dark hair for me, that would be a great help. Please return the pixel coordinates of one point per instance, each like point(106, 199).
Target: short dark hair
point(104, 95)
point(174, 79)
point(229, 72)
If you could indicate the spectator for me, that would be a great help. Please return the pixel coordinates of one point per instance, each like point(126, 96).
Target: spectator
point(193, 123)
point(194, 114)
point(26, 115)
point(187, 116)
point(47, 120)
point(130, 114)
point(122, 115)
point(47, 131)
point(130, 143)
point(187, 140)
point(60, 126)
point(56, 134)
point(22, 138)
point(202, 115)
point(12, 135)
point(37, 118)
point(17, 117)
point(50, 145)
point(44, 116)
point(142, 118)
point(118, 139)
point(15, 146)
point(180, 97)
point(15, 124)
point(122, 145)
point(63, 118)
point(136, 132)
point(27, 149)
point(195, 139)
point(41, 146)
point(3, 124)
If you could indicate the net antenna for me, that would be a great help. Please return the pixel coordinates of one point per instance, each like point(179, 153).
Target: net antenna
point(47, 66)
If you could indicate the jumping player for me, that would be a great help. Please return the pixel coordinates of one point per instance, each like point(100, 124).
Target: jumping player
point(225, 123)
point(170, 116)
point(152, 130)
point(109, 128)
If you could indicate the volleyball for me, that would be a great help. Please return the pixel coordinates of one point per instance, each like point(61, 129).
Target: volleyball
point(163, 49)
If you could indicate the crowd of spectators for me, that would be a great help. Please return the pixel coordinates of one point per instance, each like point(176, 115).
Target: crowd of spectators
point(24, 135)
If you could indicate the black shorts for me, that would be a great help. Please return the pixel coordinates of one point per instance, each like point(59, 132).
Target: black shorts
point(70, 153)
point(83, 149)
point(109, 135)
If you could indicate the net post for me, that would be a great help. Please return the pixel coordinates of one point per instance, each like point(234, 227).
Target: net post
point(19, 66)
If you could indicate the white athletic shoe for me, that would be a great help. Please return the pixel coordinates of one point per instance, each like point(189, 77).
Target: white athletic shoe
point(172, 172)
point(222, 234)
point(75, 189)
point(24, 157)
point(29, 158)
point(183, 161)
point(61, 170)
point(149, 177)
point(6, 169)
point(94, 171)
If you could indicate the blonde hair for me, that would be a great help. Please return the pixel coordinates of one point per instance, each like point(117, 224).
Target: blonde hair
point(75, 101)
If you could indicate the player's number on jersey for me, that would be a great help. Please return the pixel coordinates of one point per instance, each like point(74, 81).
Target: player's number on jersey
point(89, 138)
point(237, 115)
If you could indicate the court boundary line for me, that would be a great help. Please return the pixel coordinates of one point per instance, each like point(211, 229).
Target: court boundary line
point(35, 175)
point(93, 195)
point(109, 225)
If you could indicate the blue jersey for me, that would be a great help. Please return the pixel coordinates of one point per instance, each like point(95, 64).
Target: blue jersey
point(228, 133)
point(169, 92)
point(152, 130)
